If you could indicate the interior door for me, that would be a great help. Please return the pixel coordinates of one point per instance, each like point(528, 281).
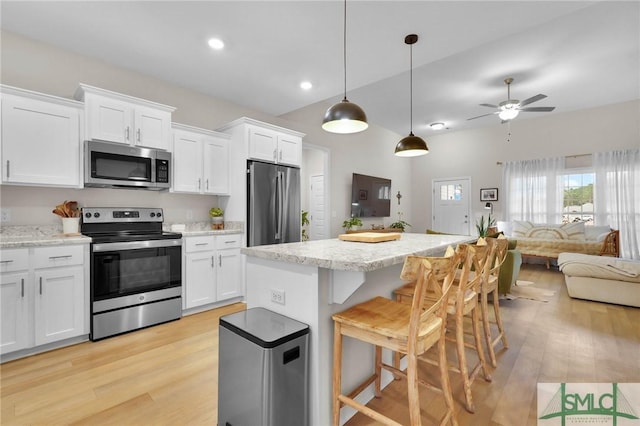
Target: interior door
point(317, 206)
point(452, 206)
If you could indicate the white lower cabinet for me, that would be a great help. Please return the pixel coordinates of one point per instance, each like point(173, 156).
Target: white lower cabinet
point(59, 304)
point(42, 295)
point(213, 269)
point(15, 312)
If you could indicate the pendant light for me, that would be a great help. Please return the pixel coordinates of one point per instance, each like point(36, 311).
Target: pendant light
point(411, 146)
point(345, 117)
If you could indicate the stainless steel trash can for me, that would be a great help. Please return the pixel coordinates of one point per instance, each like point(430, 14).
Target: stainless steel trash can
point(263, 370)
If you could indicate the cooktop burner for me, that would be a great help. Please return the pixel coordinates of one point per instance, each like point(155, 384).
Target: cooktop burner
point(121, 224)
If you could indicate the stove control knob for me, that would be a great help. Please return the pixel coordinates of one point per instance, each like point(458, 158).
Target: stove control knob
point(96, 215)
point(153, 214)
point(159, 214)
point(87, 215)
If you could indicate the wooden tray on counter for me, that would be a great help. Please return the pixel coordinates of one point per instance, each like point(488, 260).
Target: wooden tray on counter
point(370, 237)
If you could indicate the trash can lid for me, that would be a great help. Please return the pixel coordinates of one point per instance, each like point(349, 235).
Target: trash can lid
point(264, 327)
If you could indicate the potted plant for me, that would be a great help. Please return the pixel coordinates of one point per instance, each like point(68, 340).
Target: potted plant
point(217, 218)
point(400, 224)
point(305, 221)
point(483, 226)
point(352, 223)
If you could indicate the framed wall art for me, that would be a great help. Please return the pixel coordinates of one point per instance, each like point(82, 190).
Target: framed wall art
point(489, 194)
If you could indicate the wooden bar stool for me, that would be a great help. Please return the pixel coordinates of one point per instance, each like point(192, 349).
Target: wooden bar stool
point(408, 329)
point(463, 302)
point(490, 286)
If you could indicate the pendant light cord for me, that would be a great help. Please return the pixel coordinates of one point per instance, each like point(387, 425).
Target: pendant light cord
point(344, 48)
point(411, 89)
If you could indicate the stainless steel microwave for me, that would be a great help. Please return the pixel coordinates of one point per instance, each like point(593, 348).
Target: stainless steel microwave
point(111, 165)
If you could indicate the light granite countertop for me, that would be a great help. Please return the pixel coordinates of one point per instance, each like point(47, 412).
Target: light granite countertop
point(17, 236)
point(33, 236)
point(356, 256)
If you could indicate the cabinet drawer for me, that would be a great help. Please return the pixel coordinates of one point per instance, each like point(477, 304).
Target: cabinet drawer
point(47, 257)
point(228, 241)
point(14, 260)
point(199, 243)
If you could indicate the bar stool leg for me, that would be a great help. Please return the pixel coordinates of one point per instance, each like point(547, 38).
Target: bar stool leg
point(412, 389)
point(378, 371)
point(496, 309)
point(462, 361)
point(487, 328)
point(337, 372)
point(446, 383)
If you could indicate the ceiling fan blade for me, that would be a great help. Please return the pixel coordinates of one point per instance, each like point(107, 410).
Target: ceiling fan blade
point(533, 99)
point(537, 109)
point(489, 105)
point(483, 115)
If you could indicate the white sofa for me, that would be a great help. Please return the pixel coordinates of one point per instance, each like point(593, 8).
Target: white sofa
point(547, 241)
point(603, 279)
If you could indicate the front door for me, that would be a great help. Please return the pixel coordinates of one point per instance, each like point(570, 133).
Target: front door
point(452, 206)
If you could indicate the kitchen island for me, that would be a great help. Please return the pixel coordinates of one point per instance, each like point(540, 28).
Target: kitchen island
point(310, 281)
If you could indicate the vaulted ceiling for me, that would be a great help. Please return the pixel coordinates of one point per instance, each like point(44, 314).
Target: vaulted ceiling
point(580, 54)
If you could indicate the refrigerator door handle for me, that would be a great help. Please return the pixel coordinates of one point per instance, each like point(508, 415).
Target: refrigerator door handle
point(279, 203)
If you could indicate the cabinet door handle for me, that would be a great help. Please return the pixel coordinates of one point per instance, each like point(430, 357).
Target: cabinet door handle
point(126, 133)
point(199, 184)
point(230, 242)
point(207, 184)
point(40, 285)
point(280, 155)
point(6, 261)
point(212, 262)
point(22, 288)
point(220, 260)
point(202, 244)
point(66, 256)
point(8, 168)
point(138, 135)
point(275, 156)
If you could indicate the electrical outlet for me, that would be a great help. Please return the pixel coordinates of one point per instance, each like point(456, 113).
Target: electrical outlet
point(277, 296)
point(5, 215)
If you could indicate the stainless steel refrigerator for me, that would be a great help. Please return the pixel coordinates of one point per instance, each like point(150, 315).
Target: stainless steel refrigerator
point(273, 204)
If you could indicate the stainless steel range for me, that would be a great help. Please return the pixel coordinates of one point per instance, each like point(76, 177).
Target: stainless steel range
point(136, 269)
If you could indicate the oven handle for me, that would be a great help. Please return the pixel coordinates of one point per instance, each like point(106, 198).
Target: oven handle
point(134, 245)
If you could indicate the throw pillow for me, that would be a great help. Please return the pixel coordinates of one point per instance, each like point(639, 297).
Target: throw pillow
point(575, 230)
point(520, 228)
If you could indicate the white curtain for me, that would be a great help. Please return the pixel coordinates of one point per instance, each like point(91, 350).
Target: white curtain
point(533, 190)
point(617, 196)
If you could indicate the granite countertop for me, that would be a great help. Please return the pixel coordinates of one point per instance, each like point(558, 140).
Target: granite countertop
point(204, 228)
point(356, 256)
point(17, 236)
point(33, 236)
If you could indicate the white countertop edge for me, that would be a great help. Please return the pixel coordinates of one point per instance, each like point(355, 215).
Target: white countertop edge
point(59, 240)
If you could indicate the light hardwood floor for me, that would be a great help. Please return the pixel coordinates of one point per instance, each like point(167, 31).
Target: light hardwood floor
point(167, 375)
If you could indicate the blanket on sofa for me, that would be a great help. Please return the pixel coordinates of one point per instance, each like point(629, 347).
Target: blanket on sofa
point(575, 264)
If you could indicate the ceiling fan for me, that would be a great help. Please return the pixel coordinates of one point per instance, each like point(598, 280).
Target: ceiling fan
point(509, 109)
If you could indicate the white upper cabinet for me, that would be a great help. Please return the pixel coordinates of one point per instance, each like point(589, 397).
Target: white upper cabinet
point(119, 118)
point(273, 146)
point(41, 137)
point(200, 161)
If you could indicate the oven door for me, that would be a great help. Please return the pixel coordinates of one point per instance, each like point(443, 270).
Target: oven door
point(125, 268)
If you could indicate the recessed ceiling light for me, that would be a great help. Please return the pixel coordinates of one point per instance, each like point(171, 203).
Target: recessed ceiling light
point(437, 126)
point(216, 43)
point(306, 85)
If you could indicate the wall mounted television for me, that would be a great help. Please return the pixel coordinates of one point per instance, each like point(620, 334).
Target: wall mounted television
point(370, 196)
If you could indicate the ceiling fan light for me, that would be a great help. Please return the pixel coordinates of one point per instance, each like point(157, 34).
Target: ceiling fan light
point(411, 146)
point(437, 126)
point(345, 117)
point(508, 114)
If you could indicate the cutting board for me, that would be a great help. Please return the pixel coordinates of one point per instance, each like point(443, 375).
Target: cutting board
point(370, 237)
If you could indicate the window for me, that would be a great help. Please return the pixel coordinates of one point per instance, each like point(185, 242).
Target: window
point(578, 203)
point(451, 192)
